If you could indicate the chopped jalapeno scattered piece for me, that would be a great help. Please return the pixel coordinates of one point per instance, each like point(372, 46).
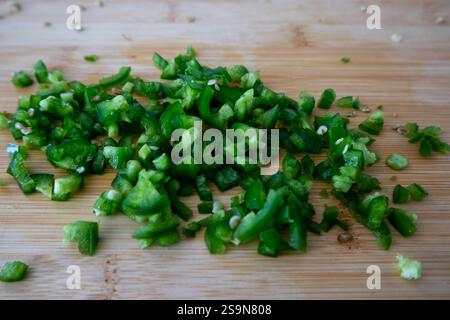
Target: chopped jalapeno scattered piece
point(326, 99)
point(91, 58)
point(13, 271)
point(396, 161)
point(21, 79)
point(409, 269)
point(85, 233)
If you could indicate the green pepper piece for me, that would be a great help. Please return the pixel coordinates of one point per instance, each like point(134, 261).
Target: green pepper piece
point(151, 89)
point(243, 106)
point(349, 102)
point(13, 148)
point(167, 239)
point(252, 224)
point(181, 210)
point(56, 107)
point(348, 176)
point(401, 194)
point(291, 166)
point(117, 156)
point(159, 62)
point(85, 233)
point(216, 237)
point(228, 94)
point(91, 58)
point(13, 271)
point(329, 218)
point(19, 172)
point(313, 227)
point(255, 196)
point(108, 203)
point(271, 243)
point(116, 79)
point(306, 140)
point(122, 184)
point(44, 183)
point(409, 269)
point(109, 113)
point(98, 163)
point(4, 121)
point(300, 186)
point(404, 222)
point(205, 207)
point(417, 192)
point(72, 154)
point(191, 229)
point(162, 162)
point(270, 118)
point(297, 230)
point(203, 190)
point(64, 187)
point(40, 71)
point(34, 140)
point(306, 102)
point(326, 99)
point(383, 236)
point(21, 79)
point(366, 183)
point(373, 124)
point(307, 165)
point(186, 189)
point(226, 178)
point(396, 161)
point(145, 198)
point(157, 226)
point(131, 170)
point(236, 72)
point(376, 211)
point(354, 158)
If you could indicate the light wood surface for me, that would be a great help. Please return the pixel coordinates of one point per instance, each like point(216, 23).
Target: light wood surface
point(297, 45)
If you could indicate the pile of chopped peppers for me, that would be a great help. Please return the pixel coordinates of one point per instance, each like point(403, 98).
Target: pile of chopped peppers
point(85, 128)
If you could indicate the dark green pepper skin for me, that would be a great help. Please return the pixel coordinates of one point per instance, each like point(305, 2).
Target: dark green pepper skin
point(116, 79)
point(326, 99)
point(40, 71)
point(255, 196)
point(13, 271)
point(227, 178)
point(252, 224)
point(17, 169)
point(203, 190)
point(21, 79)
point(44, 183)
point(401, 194)
point(71, 154)
point(373, 124)
point(157, 226)
point(402, 221)
point(377, 211)
point(271, 242)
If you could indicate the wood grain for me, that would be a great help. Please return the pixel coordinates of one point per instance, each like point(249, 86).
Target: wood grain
point(297, 46)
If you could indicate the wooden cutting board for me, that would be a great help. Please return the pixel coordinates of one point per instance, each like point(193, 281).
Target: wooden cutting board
point(296, 46)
